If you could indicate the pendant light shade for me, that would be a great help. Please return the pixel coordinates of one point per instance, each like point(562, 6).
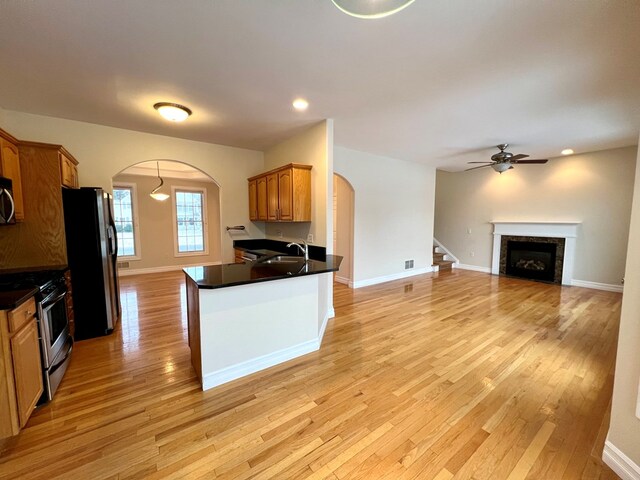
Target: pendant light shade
point(156, 193)
point(371, 8)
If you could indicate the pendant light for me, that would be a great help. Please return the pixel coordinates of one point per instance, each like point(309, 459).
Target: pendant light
point(156, 194)
point(371, 8)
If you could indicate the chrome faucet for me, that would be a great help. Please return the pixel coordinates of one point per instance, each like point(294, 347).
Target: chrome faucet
point(304, 250)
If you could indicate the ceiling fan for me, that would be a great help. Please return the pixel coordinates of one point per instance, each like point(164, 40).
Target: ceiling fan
point(503, 161)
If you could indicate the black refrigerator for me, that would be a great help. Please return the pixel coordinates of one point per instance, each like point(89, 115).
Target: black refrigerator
point(92, 246)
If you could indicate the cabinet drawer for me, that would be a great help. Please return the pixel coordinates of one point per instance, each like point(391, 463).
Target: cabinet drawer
point(19, 316)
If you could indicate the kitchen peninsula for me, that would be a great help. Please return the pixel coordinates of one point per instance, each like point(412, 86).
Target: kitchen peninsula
point(245, 317)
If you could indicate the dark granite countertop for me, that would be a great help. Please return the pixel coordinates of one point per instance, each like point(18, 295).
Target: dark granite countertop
point(11, 299)
point(232, 274)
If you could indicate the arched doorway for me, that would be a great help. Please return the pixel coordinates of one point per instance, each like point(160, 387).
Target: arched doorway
point(166, 233)
point(343, 215)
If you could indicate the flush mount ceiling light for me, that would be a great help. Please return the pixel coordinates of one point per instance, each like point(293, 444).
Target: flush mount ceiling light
point(371, 8)
point(567, 151)
point(300, 104)
point(173, 111)
point(156, 194)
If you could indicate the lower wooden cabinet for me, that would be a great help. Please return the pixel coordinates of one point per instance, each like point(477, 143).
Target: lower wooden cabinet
point(20, 368)
point(27, 370)
point(238, 256)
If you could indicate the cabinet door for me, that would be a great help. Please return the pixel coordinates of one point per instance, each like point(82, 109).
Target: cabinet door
point(25, 353)
point(262, 198)
point(253, 200)
point(67, 172)
point(272, 197)
point(285, 195)
point(10, 167)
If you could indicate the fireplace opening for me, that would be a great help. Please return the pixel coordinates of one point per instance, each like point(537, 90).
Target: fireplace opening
point(531, 260)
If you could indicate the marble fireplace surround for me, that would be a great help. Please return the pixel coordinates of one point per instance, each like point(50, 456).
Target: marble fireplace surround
point(566, 230)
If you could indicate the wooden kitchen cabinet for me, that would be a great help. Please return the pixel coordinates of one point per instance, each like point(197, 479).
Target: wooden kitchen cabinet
point(253, 200)
point(68, 170)
point(238, 256)
point(10, 168)
point(283, 194)
point(261, 188)
point(20, 367)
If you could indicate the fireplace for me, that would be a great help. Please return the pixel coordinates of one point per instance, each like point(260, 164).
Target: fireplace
point(562, 234)
point(532, 258)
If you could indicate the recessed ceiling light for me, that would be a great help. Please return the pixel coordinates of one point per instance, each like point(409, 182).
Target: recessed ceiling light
point(173, 111)
point(567, 151)
point(300, 104)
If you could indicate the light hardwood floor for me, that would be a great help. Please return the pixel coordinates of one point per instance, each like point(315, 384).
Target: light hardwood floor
point(462, 375)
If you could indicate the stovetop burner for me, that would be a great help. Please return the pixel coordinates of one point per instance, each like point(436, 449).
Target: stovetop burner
point(41, 279)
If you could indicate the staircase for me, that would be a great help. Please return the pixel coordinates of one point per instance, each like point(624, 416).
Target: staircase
point(439, 260)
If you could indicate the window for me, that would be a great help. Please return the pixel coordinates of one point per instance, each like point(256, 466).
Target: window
point(125, 217)
point(190, 221)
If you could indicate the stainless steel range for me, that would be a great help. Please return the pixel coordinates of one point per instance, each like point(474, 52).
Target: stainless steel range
point(56, 343)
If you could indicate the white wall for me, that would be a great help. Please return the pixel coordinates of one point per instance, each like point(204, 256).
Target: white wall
point(593, 188)
point(624, 429)
point(393, 220)
point(156, 234)
point(105, 151)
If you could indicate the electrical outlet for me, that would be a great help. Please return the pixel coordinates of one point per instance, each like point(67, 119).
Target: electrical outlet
point(472, 254)
point(310, 238)
point(279, 233)
point(468, 230)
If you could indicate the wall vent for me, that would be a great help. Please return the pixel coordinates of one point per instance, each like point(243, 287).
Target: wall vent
point(408, 264)
point(123, 264)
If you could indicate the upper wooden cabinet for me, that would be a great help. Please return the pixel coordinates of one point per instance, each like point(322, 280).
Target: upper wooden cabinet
point(282, 195)
point(68, 170)
point(253, 200)
point(20, 367)
point(10, 168)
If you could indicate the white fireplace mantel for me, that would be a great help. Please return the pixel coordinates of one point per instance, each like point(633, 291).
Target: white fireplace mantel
point(566, 230)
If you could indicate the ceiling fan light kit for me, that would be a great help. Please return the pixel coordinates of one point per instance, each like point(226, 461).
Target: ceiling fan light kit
point(370, 9)
point(503, 160)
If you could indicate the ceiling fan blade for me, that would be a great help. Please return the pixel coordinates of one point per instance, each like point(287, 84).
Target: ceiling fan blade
point(481, 166)
point(537, 160)
point(518, 157)
point(479, 162)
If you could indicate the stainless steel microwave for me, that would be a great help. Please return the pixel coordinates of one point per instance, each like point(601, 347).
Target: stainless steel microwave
point(7, 205)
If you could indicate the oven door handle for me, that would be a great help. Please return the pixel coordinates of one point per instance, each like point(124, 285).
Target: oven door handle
point(61, 362)
point(48, 303)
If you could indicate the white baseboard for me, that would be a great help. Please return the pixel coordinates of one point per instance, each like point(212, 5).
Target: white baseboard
point(620, 463)
point(473, 268)
point(122, 272)
point(597, 286)
point(393, 276)
point(256, 364)
point(344, 280)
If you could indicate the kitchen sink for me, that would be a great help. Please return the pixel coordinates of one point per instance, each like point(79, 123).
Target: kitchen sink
point(283, 259)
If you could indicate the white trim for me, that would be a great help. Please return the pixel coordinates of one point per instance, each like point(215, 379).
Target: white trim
point(122, 272)
point(446, 251)
point(474, 268)
point(205, 221)
point(394, 276)
point(330, 314)
point(341, 280)
point(607, 287)
point(136, 222)
point(257, 364)
point(619, 462)
point(566, 230)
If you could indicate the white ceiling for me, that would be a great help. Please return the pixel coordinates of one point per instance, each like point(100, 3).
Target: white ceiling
point(440, 82)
